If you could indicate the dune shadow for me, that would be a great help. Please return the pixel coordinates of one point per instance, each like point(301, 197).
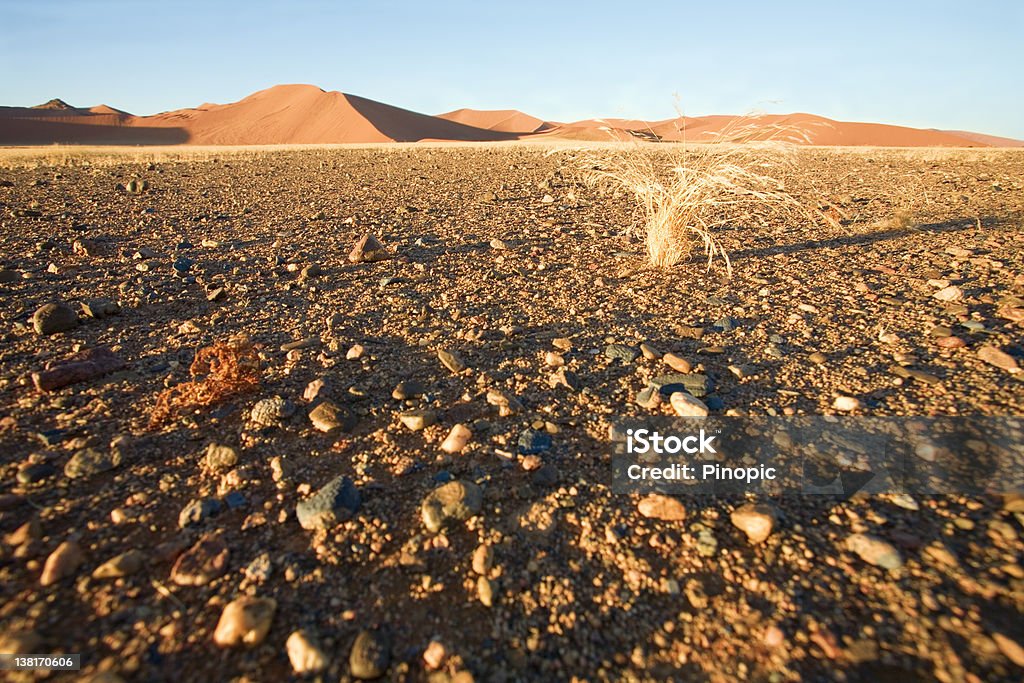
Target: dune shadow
point(394, 123)
point(15, 131)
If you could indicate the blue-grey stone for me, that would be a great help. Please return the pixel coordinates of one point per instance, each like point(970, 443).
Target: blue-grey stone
point(198, 511)
point(336, 502)
point(235, 500)
point(627, 354)
point(694, 384)
point(532, 442)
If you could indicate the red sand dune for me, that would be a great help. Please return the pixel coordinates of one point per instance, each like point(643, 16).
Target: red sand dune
point(305, 114)
point(504, 120)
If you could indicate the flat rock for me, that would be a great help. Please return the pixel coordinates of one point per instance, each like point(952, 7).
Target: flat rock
point(999, 359)
point(202, 563)
point(695, 384)
point(532, 442)
point(687, 406)
point(198, 511)
point(418, 420)
point(80, 367)
point(875, 551)
point(335, 502)
point(328, 416)
point(451, 503)
point(623, 352)
point(125, 564)
point(61, 563)
point(90, 461)
point(451, 360)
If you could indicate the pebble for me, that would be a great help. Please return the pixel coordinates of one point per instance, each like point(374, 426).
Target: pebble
point(453, 502)
point(562, 343)
point(483, 559)
point(554, 360)
point(818, 358)
point(61, 563)
point(259, 569)
point(627, 354)
point(756, 520)
point(328, 416)
point(1010, 648)
point(485, 591)
point(355, 352)
point(999, 359)
point(220, 458)
point(649, 398)
point(694, 384)
point(665, 508)
point(367, 250)
point(457, 439)
point(498, 245)
point(677, 363)
point(950, 342)
point(950, 293)
point(89, 461)
point(305, 654)
point(451, 360)
point(336, 502)
point(407, 390)
point(271, 411)
point(245, 621)
point(100, 308)
point(650, 351)
point(875, 551)
point(370, 655)
point(53, 318)
point(202, 563)
point(434, 655)
point(198, 511)
point(125, 564)
point(532, 442)
point(687, 406)
point(846, 403)
point(418, 420)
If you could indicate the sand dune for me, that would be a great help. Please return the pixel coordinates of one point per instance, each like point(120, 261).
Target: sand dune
point(504, 120)
point(306, 114)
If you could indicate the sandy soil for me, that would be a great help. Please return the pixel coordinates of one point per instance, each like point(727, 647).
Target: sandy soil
point(497, 255)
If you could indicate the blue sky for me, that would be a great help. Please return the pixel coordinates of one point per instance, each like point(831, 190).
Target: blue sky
point(938, 64)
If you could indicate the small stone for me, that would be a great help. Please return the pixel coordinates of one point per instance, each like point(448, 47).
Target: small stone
point(198, 511)
point(665, 508)
point(818, 358)
point(650, 352)
point(846, 403)
point(53, 318)
point(554, 360)
point(202, 563)
point(950, 342)
point(950, 293)
point(453, 502)
point(498, 245)
point(220, 458)
point(244, 621)
point(125, 564)
point(755, 520)
point(370, 655)
point(408, 389)
point(418, 420)
point(434, 655)
point(100, 308)
point(677, 363)
point(999, 359)
point(356, 352)
point(328, 416)
point(532, 442)
point(305, 654)
point(483, 559)
point(875, 551)
point(687, 406)
point(562, 343)
point(367, 249)
point(694, 384)
point(336, 502)
point(457, 439)
point(259, 569)
point(627, 354)
point(649, 398)
point(451, 360)
point(271, 411)
point(89, 462)
point(485, 591)
point(312, 270)
point(1010, 648)
point(61, 563)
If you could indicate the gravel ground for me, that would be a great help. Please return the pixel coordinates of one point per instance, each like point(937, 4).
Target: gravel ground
point(180, 551)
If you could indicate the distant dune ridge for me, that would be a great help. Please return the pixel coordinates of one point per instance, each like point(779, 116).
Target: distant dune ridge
point(306, 114)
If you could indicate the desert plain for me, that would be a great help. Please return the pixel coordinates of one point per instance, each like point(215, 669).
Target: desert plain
point(330, 521)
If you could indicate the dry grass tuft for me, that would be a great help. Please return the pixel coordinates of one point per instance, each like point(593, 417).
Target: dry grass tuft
point(220, 371)
point(685, 194)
